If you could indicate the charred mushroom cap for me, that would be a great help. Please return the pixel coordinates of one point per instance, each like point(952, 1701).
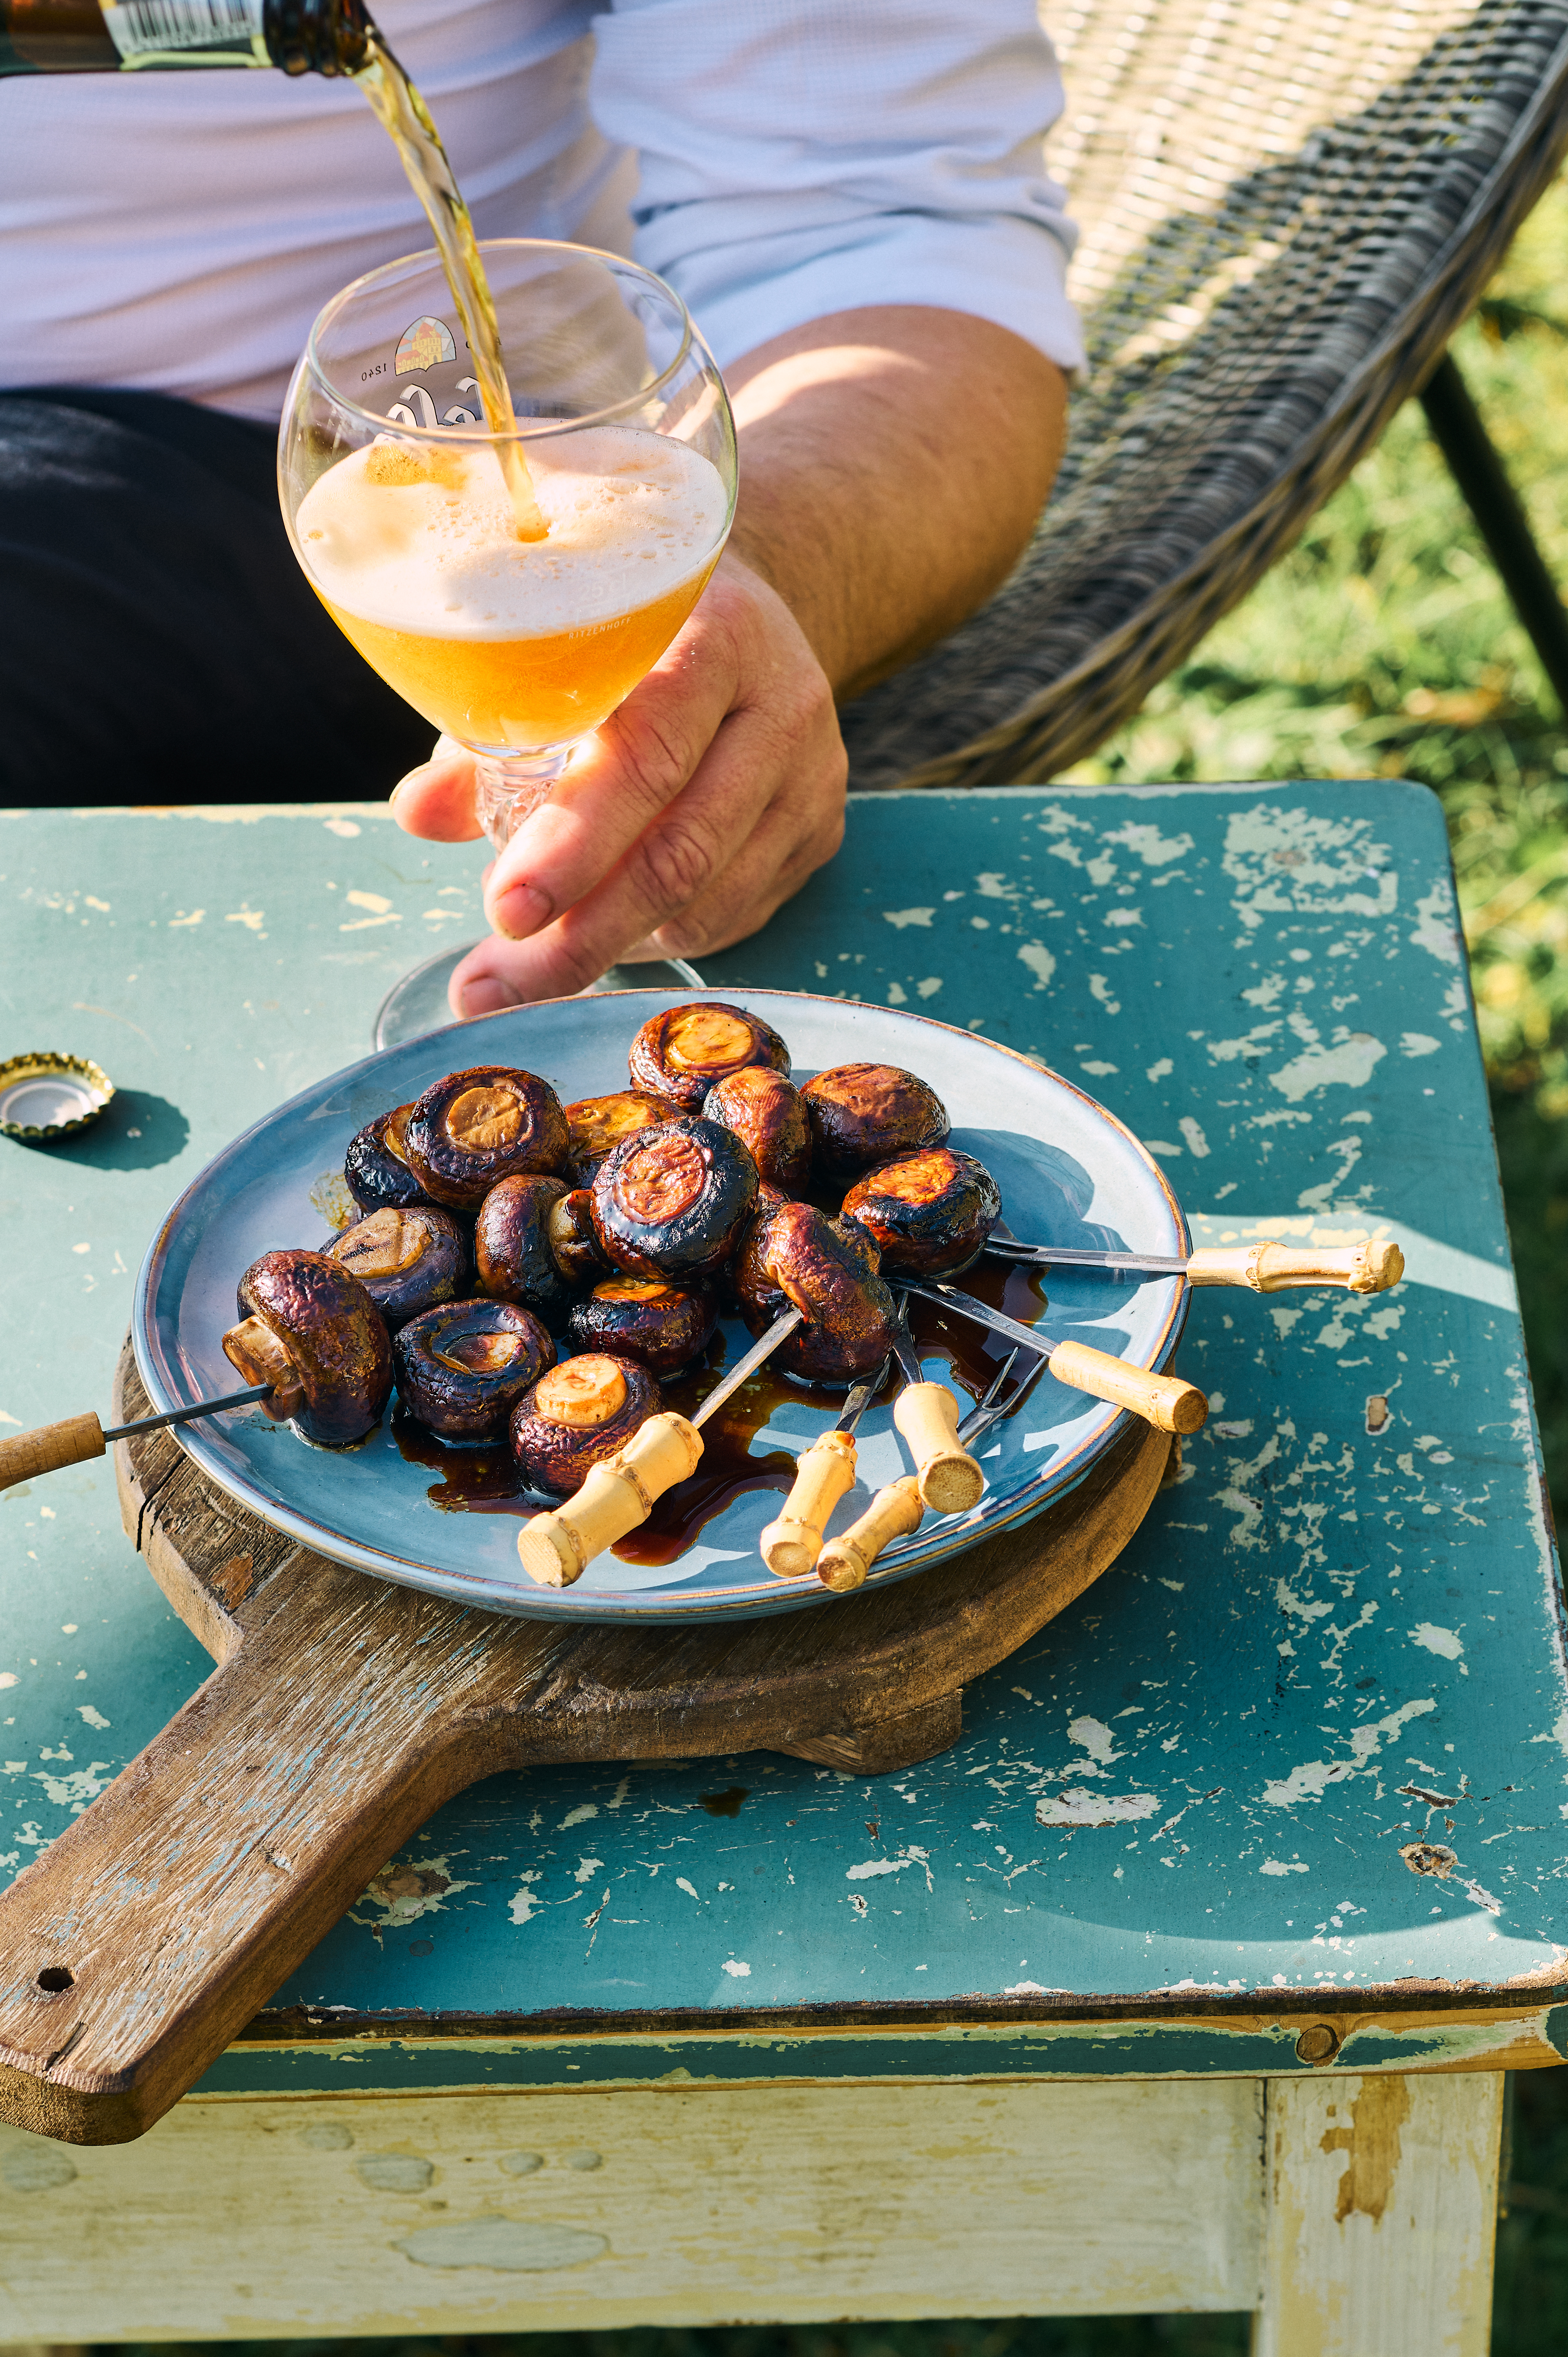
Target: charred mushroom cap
point(577, 1415)
point(797, 1258)
point(685, 1051)
point(335, 1336)
point(406, 1260)
point(574, 1240)
point(672, 1202)
point(765, 1111)
point(865, 1114)
point(597, 1124)
point(473, 1129)
point(512, 1248)
point(929, 1214)
point(661, 1326)
point(375, 1168)
point(462, 1369)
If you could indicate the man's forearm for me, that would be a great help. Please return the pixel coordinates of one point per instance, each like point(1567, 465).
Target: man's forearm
point(893, 462)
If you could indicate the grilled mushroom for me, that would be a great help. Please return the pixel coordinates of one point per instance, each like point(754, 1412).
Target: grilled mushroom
point(826, 1268)
point(406, 1260)
point(598, 1126)
point(512, 1248)
point(462, 1369)
point(661, 1326)
point(474, 1128)
point(765, 1111)
point(574, 1240)
point(576, 1415)
point(305, 1309)
point(930, 1213)
point(672, 1202)
point(682, 1052)
point(865, 1114)
point(375, 1168)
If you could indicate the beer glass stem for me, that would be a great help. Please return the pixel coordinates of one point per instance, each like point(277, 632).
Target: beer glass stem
point(512, 786)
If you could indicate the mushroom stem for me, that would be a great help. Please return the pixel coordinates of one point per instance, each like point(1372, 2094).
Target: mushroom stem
point(261, 1358)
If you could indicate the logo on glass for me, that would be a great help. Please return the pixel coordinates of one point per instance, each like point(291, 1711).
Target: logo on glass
point(425, 346)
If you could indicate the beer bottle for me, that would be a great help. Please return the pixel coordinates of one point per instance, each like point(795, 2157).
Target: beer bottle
point(325, 37)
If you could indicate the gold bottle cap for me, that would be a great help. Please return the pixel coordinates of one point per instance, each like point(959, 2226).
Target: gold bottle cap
point(45, 1097)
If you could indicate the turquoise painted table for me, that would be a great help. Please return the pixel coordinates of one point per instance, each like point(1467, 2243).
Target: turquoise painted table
point(1254, 1854)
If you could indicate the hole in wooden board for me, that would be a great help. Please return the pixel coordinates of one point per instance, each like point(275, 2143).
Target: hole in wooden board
point(54, 1978)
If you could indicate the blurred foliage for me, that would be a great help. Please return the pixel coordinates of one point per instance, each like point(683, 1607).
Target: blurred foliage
point(1384, 646)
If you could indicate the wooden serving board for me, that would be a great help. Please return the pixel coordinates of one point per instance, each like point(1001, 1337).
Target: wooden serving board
point(344, 1711)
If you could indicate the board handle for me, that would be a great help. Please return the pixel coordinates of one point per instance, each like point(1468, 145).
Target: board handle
point(1369, 1268)
point(1161, 1400)
point(71, 1442)
point(823, 1474)
point(948, 1478)
point(892, 1514)
point(558, 1546)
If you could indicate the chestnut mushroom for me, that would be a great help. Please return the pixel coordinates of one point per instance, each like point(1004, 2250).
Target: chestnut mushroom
point(472, 1129)
point(765, 1110)
point(375, 1168)
point(799, 1258)
point(672, 1202)
point(512, 1248)
point(597, 1124)
point(461, 1369)
point(661, 1326)
point(930, 1213)
point(682, 1052)
point(865, 1114)
point(406, 1260)
point(306, 1306)
point(574, 1239)
point(576, 1415)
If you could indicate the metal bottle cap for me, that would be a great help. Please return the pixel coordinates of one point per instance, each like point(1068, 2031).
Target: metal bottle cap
point(45, 1097)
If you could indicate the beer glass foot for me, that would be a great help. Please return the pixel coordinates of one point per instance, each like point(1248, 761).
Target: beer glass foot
point(512, 786)
point(418, 1004)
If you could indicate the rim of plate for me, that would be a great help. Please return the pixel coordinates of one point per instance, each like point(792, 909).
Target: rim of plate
point(904, 1560)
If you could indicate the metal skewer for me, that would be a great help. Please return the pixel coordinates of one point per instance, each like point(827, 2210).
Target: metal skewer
point(1161, 1400)
point(897, 1510)
point(79, 1439)
point(1369, 1268)
point(557, 1548)
point(792, 1541)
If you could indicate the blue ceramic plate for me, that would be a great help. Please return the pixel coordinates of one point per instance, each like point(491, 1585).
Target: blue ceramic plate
point(1070, 1173)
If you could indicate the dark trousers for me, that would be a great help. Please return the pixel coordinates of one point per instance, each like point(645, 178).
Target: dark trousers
point(159, 642)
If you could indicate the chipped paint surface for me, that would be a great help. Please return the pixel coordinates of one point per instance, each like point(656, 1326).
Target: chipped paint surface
point(1205, 1777)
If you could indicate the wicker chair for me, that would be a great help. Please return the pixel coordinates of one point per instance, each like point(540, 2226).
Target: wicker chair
point(1286, 209)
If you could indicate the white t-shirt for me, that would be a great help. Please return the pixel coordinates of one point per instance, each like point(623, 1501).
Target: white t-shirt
point(775, 160)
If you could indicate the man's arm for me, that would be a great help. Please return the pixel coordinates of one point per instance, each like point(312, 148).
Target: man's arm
point(894, 461)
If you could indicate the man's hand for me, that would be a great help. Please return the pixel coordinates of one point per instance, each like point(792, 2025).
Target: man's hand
point(893, 463)
point(698, 807)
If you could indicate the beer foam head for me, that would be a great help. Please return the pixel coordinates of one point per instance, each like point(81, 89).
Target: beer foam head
point(423, 538)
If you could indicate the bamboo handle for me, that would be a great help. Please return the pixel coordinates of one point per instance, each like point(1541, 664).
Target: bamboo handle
point(892, 1514)
point(1161, 1400)
point(823, 1473)
point(52, 1446)
point(557, 1548)
point(1370, 1267)
point(950, 1479)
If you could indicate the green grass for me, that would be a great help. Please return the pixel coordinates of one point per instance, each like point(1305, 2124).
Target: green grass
point(1405, 662)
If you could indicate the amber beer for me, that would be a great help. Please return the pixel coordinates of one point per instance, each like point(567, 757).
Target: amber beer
point(510, 646)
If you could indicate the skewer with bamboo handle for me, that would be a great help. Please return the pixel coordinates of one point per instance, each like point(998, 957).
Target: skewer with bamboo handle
point(896, 1513)
point(945, 1475)
point(1267, 1267)
point(1163, 1400)
point(79, 1439)
point(823, 1474)
point(557, 1548)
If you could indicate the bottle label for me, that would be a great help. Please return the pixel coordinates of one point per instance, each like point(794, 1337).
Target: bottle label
point(166, 30)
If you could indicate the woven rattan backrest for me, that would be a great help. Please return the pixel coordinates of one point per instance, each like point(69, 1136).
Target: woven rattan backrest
point(1285, 209)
